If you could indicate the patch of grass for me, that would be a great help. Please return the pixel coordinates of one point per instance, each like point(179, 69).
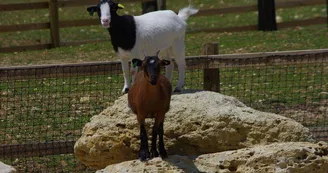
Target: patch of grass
point(50, 109)
point(287, 39)
point(312, 37)
point(65, 163)
point(288, 84)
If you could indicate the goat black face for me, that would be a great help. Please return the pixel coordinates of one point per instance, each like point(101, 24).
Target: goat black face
point(105, 9)
point(151, 66)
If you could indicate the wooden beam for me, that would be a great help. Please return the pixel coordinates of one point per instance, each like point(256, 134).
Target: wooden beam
point(76, 43)
point(211, 79)
point(290, 24)
point(96, 68)
point(74, 3)
point(306, 22)
point(80, 22)
point(24, 48)
point(23, 6)
point(228, 29)
point(299, 3)
point(24, 27)
point(59, 70)
point(250, 8)
point(228, 10)
point(37, 149)
point(211, 49)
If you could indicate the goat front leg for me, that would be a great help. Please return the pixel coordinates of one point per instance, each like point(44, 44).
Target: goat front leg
point(134, 71)
point(153, 150)
point(169, 68)
point(143, 152)
point(125, 67)
point(179, 54)
point(182, 71)
point(161, 146)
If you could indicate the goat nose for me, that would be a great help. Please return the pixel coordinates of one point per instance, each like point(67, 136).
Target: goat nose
point(105, 20)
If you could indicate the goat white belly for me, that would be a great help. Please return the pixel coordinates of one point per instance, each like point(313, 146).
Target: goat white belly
point(126, 54)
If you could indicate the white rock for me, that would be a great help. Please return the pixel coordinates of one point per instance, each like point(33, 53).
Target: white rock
point(197, 123)
point(290, 157)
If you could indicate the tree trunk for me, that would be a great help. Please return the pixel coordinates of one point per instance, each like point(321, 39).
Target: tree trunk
point(266, 15)
point(153, 5)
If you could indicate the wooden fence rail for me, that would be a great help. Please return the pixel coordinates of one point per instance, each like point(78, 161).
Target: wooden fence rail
point(55, 24)
point(98, 68)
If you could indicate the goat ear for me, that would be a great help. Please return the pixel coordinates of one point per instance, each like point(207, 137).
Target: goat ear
point(165, 62)
point(136, 62)
point(92, 9)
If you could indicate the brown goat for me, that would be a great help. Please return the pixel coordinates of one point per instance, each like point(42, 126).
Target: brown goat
point(149, 97)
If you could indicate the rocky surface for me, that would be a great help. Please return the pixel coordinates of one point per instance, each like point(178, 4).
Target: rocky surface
point(6, 168)
point(197, 123)
point(173, 164)
point(290, 157)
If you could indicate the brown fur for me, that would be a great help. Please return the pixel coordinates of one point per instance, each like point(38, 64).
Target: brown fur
point(148, 100)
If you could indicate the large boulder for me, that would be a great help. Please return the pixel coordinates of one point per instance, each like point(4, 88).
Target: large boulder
point(6, 168)
point(290, 157)
point(197, 123)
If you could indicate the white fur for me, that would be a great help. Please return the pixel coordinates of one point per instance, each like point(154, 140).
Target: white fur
point(105, 15)
point(160, 30)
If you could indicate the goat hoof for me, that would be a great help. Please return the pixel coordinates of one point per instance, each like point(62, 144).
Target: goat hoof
point(144, 155)
point(154, 153)
point(177, 90)
point(125, 90)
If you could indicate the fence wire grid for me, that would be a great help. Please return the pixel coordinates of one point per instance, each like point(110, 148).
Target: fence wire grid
point(44, 108)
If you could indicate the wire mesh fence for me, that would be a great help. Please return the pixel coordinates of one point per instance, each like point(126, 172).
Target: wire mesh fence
point(43, 109)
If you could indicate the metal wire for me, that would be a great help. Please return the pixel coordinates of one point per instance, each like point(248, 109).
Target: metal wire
point(43, 109)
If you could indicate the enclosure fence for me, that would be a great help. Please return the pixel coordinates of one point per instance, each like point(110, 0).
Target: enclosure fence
point(55, 24)
point(44, 108)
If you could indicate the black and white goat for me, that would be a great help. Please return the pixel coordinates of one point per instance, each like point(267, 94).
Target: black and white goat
point(132, 36)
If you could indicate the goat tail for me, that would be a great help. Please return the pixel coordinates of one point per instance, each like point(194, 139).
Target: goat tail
point(186, 12)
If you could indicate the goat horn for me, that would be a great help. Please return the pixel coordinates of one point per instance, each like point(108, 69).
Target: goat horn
point(157, 53)
point(144, 53)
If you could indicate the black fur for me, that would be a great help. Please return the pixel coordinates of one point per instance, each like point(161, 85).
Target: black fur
point(122, 31)
point(143, 152)
point(161, 148)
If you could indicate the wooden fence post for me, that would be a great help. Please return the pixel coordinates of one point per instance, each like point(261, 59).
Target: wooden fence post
point(211, 49)
point(211, 79)
point(266, 15)
point(153, 5)
point(54, 23)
